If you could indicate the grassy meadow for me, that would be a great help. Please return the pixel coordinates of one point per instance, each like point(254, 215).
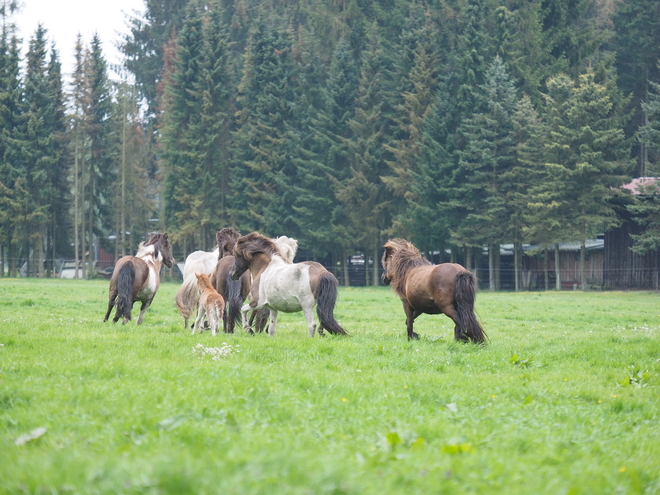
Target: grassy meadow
point(564, 399)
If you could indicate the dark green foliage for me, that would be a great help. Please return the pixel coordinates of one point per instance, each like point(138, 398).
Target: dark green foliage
point(451, 123)
point(195, 129)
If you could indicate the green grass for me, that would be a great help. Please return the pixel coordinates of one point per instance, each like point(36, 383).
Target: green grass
point(564, 399)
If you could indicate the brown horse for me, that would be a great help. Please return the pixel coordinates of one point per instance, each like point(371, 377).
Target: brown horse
point(432, 289)
point(137, 278)
point(211, 304)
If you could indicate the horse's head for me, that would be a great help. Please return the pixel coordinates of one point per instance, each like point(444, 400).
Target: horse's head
point(166, 251)
point(226, 239)
point(161, 248)
point(385, 261)
point(247, 249)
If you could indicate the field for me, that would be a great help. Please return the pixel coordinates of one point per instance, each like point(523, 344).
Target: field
point(564, 399)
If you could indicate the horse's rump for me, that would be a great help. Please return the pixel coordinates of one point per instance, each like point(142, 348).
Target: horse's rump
point(125, 290)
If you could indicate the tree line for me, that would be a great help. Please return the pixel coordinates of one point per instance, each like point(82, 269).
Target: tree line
point(457, 124)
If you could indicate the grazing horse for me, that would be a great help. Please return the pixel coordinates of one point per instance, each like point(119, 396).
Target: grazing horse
point(137, 278)
point(432, 289)
point(281, 286)
point(236, 291)
point(187, 296)
point(211, 304)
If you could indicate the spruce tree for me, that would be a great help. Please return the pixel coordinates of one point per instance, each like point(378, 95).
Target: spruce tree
point(637, 46)
point(101, 171)
point(264, 141)
point(11, 187)
point(180, 128)
point(37, 150)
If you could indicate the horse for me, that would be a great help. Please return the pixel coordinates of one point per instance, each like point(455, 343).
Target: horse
point(137, 278)
point(236, 291)
point(211, 304)
point(432, 289)
point(281, 286)
point(201, 262)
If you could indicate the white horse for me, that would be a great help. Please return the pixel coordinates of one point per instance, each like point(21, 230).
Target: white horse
point(187, 296)
point(281, 286)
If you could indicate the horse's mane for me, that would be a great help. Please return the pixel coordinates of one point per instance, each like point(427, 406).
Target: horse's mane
point(287, 246)
point(157, 240)
point(226, 239)
point(204, 281)
point(254, 243)
point(403, 256)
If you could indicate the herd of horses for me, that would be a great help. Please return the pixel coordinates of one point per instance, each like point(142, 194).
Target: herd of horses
point(253, 278)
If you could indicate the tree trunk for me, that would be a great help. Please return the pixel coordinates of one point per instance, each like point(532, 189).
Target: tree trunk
point(516, 266)
point(344, 263)
point(546, 277)
point(376, 278)
point(583, 270)
point(557, 268)
point(491, 267)
point(83, 255)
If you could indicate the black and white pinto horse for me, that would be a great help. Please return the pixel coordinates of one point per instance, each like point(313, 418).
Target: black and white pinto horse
point(137, 278)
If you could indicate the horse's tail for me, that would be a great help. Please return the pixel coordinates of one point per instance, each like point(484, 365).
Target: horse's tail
point(125, 282)
point(261, 318)
point(187, 296)
point(468, 325)
point(326, 298)
point(233, 299)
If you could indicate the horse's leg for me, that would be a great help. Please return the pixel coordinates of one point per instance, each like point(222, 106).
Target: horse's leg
point(198, 320)
point(450, 311)
point(143, 309)
point(273, 322)
point(308, 311)
point(411, 314)
point(246, 320)
point(111, 303)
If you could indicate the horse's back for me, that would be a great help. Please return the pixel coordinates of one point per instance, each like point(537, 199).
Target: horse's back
point(431, 288)
point(200, 262)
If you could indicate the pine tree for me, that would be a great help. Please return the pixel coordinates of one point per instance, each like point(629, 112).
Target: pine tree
point(316, 204)
point(637, 45)
point(362, 213)
point(486, 166)
point(264, 142)
point(11, 188)
point(58, 188)
point(101, 169)
point(181, 123)
point(419, 83)
point(585, 158)
point(37, 149)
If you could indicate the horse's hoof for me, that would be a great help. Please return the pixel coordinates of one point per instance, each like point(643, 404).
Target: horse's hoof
point(413, 336)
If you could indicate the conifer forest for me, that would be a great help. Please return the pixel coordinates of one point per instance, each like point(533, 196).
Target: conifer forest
point(455, 124)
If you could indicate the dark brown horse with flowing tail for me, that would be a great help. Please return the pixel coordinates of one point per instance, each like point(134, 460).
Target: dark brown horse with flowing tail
point(432, 289)
point(137, 278)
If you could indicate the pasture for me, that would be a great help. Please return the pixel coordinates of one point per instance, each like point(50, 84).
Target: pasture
point(564, 399)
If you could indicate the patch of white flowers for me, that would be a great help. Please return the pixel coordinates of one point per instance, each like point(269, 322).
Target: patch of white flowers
point(216, 353)
point(642, 328)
